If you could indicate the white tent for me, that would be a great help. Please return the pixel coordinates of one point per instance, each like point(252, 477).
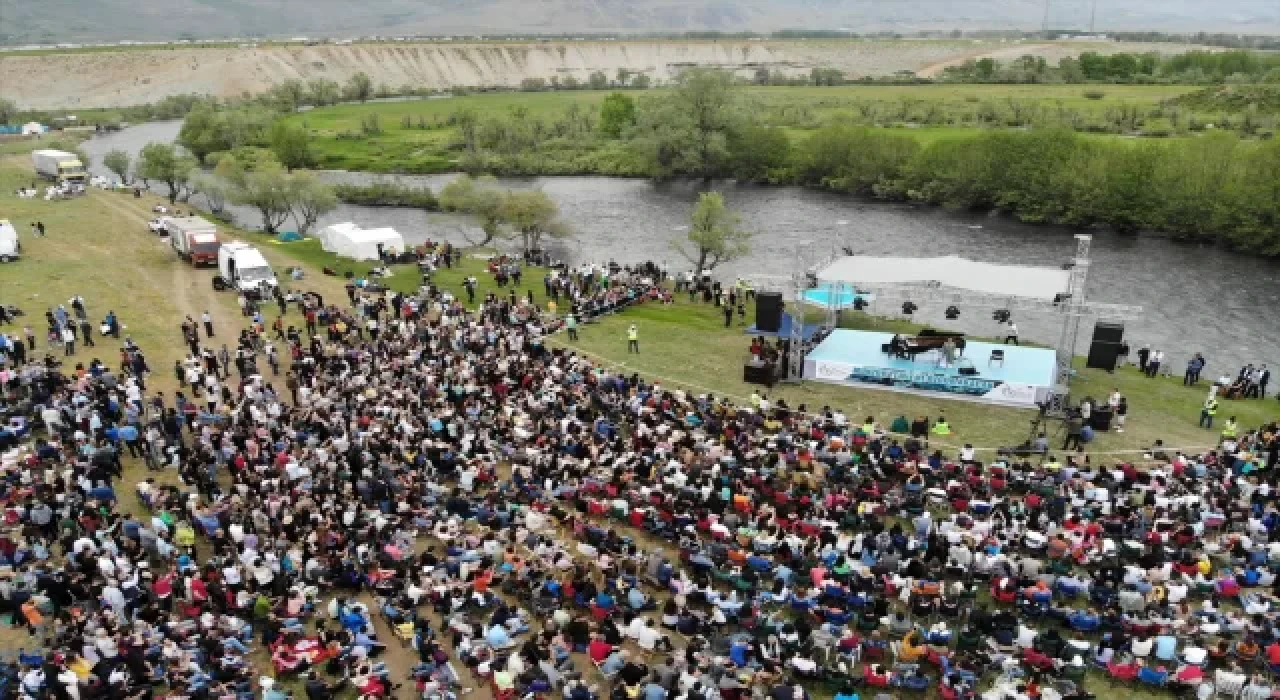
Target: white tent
point(362, 244)
point(33, 128)
point(326, 234)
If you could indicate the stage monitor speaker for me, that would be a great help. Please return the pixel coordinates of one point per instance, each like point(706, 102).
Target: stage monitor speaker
point(1102, 355)
point(1108, 332)
point(768, 312)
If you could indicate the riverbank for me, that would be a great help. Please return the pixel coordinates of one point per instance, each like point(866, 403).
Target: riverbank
point(1061, 155)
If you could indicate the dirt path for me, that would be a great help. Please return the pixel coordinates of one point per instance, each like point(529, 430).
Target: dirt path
point(190, 288)
point(934, 69)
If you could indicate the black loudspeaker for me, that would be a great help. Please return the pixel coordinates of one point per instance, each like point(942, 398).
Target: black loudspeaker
point(1102, 355)
point(768, 312)
point(1107, 332)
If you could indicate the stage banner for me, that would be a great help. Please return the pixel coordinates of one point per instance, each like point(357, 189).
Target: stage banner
point(831, 371)
point(932, 380)
point(1008, 392)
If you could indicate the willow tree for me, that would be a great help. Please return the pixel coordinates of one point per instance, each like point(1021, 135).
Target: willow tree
point(715, 234)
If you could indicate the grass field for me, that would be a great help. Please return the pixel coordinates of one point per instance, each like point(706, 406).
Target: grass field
point(98, 247)
point(418, 136)
point(687, 345)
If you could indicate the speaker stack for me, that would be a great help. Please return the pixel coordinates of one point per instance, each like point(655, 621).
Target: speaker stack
point(1105, 348)
point(768, 312)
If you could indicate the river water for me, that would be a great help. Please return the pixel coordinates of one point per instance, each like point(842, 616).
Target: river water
point(1195, 298)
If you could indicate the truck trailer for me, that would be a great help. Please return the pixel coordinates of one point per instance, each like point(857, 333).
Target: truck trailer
point(194, 238)
point(59, 166)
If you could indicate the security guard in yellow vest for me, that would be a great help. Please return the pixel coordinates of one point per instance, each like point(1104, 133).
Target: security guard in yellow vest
point(1229, 428)
point(1208, 412)
point(633, 340)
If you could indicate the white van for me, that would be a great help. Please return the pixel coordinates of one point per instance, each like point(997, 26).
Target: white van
point(10, 248)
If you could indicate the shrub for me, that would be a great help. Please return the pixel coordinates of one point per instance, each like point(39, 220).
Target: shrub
point(1094, 94)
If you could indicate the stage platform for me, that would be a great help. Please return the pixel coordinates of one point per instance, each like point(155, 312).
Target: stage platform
point(854, 358)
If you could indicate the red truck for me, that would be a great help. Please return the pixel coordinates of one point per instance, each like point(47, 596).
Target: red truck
point(194, 238)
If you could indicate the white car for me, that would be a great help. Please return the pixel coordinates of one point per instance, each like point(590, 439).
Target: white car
point(157, 226)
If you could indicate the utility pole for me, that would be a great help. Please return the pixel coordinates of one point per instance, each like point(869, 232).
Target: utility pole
point(1093, 16)
point(1044, 25)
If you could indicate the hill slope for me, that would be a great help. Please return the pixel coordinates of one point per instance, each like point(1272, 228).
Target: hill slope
point(139, 76)
point(25, 21)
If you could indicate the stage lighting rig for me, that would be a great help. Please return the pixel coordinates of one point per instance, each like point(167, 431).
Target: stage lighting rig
point(909, 307)
point(952, 312)
point(859, 303)
point(1001, 315)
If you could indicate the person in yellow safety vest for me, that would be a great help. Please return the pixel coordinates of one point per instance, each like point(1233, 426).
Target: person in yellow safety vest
point(1229, 428)
point(941, 427)
point(633, 340)
point(1208, 412)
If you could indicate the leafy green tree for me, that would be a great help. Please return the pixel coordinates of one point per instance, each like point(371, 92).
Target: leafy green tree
point(533, 215)
point(8, 110)
point(598, 80)
point(163, 162)
point(617, 113)
point(309, 199)
point(1094, 65)
point(321, 92)
point(855, 159)
point(1070, 71)
point(758, 151)
point(118, 162)
point(624, 77)
point(467, 123)
point(641, 81)
point(201, 133)
point(216, 191)
point(268, 190)
point(478, 197)
point(359, 87)
point(1122, 65)
point(687, 131)
point(291, 145)
point(715, 234)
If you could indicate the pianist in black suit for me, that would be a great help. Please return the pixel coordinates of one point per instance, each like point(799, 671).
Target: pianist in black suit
point(897, 346)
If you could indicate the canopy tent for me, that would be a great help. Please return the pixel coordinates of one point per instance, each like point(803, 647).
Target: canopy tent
point(351, 241)
point(951, 271)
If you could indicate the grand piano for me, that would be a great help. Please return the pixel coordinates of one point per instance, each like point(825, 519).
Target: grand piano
point(908, 347)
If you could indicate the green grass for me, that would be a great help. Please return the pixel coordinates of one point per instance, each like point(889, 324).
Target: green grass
point(686, 344)
point(936, 111)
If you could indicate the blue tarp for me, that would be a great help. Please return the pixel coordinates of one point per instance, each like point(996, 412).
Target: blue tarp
point(784, 329)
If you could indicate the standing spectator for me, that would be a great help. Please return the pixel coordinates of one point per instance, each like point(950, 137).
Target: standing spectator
point(86, 332)
point(68, 341)
point(1153, 364)
point(207, 320)
point(1194, 367)
point(1144, 354)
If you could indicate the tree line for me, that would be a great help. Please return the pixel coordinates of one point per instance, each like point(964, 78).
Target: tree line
point(1189, 68)
point(1210, 187)
point(260, 182)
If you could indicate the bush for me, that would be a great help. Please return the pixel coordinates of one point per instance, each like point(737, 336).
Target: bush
point(1094, 94)
point(387, 194)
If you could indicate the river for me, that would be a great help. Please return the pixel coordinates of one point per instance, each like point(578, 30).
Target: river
point(1196, 298)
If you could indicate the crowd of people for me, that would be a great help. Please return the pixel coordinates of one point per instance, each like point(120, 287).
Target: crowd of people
point(523, 517)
